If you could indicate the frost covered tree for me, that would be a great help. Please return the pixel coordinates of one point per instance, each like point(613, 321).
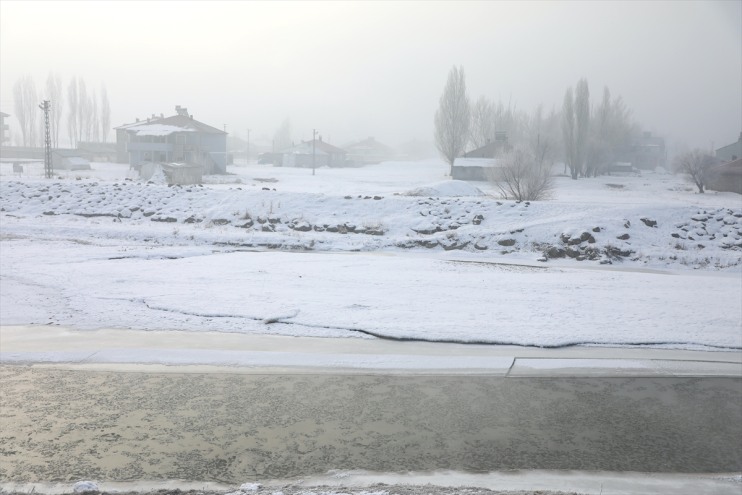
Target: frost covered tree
point(282, 136)
point(522, 176)
point(56, 102)
point(582, 122)
point(568, 132)
point(105, 114)
point(575, 127)
point(542, 135)
point(694, 164)
point(610, 132)
point(483, 120)
point(73, 123)
point(26, 106)
point(452, 117)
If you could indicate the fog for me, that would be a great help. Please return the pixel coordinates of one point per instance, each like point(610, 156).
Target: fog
point(359, 69)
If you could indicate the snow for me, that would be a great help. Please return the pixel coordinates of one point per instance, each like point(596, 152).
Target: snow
point(450, 188)
point(157, 129)
point(611, 261)
point(85, 486)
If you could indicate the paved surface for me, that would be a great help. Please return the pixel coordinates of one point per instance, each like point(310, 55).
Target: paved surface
point(574, 410)
point(213, 351)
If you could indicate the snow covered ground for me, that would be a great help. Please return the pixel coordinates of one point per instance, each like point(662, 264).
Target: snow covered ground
point(394, 250)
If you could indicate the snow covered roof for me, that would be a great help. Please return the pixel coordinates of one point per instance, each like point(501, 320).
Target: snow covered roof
point(369, 144)
point(319, 146)
point(157, 129)
point(176, 123)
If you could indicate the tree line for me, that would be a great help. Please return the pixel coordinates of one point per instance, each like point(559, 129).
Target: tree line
point(88, 113)
point(587, 138)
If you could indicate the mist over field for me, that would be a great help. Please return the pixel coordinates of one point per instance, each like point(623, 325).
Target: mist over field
point(357, 69)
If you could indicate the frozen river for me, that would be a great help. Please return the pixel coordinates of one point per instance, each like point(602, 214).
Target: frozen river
point(68, 424)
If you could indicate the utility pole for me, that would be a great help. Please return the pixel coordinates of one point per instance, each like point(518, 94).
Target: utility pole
point(48, 172)
point(314, 138)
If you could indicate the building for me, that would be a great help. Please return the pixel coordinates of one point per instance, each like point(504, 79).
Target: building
point(647, 152)
point(3, 128)
point(730, 152)
point(367, 152)
point(482, 163)
point(69, 160)
point(179, 138)
point(475, 168)
point(310, 154)
point(97, 152)
point(492, 149)
point(726, 177)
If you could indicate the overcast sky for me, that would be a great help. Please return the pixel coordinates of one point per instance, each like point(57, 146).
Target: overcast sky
point(357, 69)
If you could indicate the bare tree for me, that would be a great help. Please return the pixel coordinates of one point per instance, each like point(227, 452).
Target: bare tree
point(73, 102)
point(543, 135)
point(483, 121)
point(105, 114)
point(93, 125)
point(452, 118)
point(54, 95)
point(282, 136)
point(83, 104)
point(610, 132)
point(582, 121)
point(26, 107)
point(569, 132)
point(522, 177)
point(576, 127)
point(695, 164)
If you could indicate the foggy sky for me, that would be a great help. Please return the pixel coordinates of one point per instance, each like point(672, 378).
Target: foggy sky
point(359, 69)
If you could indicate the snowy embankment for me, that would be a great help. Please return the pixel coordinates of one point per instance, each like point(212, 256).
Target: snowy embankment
point(659, 235)
point(609, 261)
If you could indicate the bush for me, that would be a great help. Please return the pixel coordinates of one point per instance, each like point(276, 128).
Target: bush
point(522, 177)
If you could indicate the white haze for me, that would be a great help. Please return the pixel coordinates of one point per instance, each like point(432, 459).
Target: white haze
point(359, 69)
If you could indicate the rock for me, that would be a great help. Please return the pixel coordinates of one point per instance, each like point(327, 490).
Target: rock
point(623, 237)
point(506, 242)
point(220, 221)
point(300, 226)
point(596, 229)
point(587, 236)
point(616, 252)
point(649, 222)
point(454, 246)
point(572, 253)
point(555, 252)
